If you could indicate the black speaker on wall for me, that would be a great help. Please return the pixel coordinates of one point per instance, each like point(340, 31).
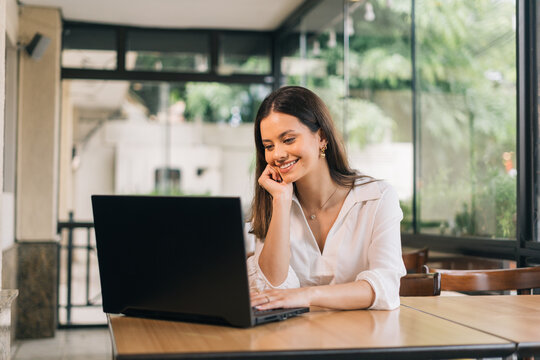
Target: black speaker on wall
point(37, 46)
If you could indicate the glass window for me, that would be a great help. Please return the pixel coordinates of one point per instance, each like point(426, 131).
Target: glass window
point(153, 138)
point(379, 105)
point(244, 54)
point(164, 50)
point(89, 48)
point(158, 137)
point(467, 117)
point(312, 56)
point(371, 101)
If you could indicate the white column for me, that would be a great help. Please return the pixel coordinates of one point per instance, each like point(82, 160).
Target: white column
point(38, 128)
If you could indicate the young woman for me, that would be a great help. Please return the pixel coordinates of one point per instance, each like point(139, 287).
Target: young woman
point(326, 235)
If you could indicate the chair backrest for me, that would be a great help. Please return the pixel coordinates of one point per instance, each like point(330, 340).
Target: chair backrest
point(420, 285)
point(415, 260)
point(521, 279)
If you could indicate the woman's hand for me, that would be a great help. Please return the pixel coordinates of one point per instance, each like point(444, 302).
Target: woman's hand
point(281, 298)
point(272, 182)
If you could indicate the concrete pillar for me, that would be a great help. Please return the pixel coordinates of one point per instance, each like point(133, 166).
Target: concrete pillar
point(3, 10)
point(37, 175)
point(9, 25)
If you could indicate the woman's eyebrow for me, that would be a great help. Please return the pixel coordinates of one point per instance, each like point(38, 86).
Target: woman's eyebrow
point(285, 133)
point(280, 135)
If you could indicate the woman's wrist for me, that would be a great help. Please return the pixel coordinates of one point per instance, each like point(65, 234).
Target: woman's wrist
point(311, 294)
point(281, 200)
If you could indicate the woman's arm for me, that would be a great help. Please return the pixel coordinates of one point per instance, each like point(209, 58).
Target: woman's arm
point(348, 296)
point(276, 253)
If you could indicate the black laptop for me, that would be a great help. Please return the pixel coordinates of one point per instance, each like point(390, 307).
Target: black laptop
point(180, 258)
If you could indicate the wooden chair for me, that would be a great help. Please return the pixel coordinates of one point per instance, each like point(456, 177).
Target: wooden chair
point(420, 285)
point(415, 260)
point(521, 279)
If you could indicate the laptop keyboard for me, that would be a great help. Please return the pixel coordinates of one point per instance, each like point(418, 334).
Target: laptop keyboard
point(257, 312)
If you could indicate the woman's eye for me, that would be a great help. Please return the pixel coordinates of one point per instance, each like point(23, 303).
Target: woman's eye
point(269, 147)
point(289, 140)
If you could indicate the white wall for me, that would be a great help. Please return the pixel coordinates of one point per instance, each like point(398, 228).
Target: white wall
point(122, 155)
point(12, 21)
point(392, 162)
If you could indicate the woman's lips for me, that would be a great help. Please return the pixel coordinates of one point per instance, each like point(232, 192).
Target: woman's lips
point(285, 168)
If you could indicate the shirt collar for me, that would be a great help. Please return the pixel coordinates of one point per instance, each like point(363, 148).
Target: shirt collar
point(365, 192)
point(360, 192)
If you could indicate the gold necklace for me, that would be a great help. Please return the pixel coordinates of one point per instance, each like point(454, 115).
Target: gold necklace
point(313, 216)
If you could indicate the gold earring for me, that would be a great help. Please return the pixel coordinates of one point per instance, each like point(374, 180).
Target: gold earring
point(323, 149)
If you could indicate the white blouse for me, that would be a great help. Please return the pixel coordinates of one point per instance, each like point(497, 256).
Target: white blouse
point(363, 244)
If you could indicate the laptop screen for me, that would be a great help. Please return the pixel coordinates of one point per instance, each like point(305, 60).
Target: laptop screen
point(180, 257)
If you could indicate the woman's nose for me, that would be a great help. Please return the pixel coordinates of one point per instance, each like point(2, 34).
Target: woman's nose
point(279, 153)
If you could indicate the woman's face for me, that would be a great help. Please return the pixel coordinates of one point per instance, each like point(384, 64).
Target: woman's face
point(290, 146)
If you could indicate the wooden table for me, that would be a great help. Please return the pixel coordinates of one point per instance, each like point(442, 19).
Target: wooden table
point(404, 333)
point(515, 318)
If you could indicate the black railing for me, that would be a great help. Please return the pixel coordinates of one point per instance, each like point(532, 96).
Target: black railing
point(69, 244)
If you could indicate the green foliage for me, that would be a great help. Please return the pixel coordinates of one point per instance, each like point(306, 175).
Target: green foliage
point(406, 208)
point(498, 192)
point(362, 130)
point(207, 102)
point(465, 221)
point(214, 102)
point(151, 61)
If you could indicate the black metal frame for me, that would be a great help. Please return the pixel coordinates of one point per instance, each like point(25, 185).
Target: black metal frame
point(120, 73)
point(527, 81)
point(70, 226)
point(415, 116)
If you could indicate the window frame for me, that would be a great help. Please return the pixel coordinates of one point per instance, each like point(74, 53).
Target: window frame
point(525, 249)
point(120, 73)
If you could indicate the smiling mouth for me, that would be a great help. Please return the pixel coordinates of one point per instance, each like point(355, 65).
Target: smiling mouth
point(288, 165)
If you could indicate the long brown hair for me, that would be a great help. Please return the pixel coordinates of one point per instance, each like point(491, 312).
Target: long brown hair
point(307, 107)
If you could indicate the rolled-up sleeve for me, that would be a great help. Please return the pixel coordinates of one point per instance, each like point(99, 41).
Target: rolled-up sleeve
point(259, 282)
point(384, 253)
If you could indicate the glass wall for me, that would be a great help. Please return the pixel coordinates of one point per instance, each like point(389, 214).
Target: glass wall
point(379, 105)
point(359, 64)
point(86, 47)
point(244, 54)
point(358, 56)
point(163, 50)
point(313, 56)
point(142, 137)
point(466, 68)
point(152, 138)
point(177, 120)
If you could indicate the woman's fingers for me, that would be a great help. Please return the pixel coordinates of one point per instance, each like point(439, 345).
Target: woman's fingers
point(269, 177)
point(281, 298)
point(276, 176)
point(266, 299)
point(271, 181)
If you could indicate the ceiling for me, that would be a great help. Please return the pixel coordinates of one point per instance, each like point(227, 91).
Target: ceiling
point(202, 14)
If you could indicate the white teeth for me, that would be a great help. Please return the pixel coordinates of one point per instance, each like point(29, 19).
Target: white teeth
point(287, 165)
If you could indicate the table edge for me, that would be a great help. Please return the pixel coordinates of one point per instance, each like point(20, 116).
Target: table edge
point(411, 352)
